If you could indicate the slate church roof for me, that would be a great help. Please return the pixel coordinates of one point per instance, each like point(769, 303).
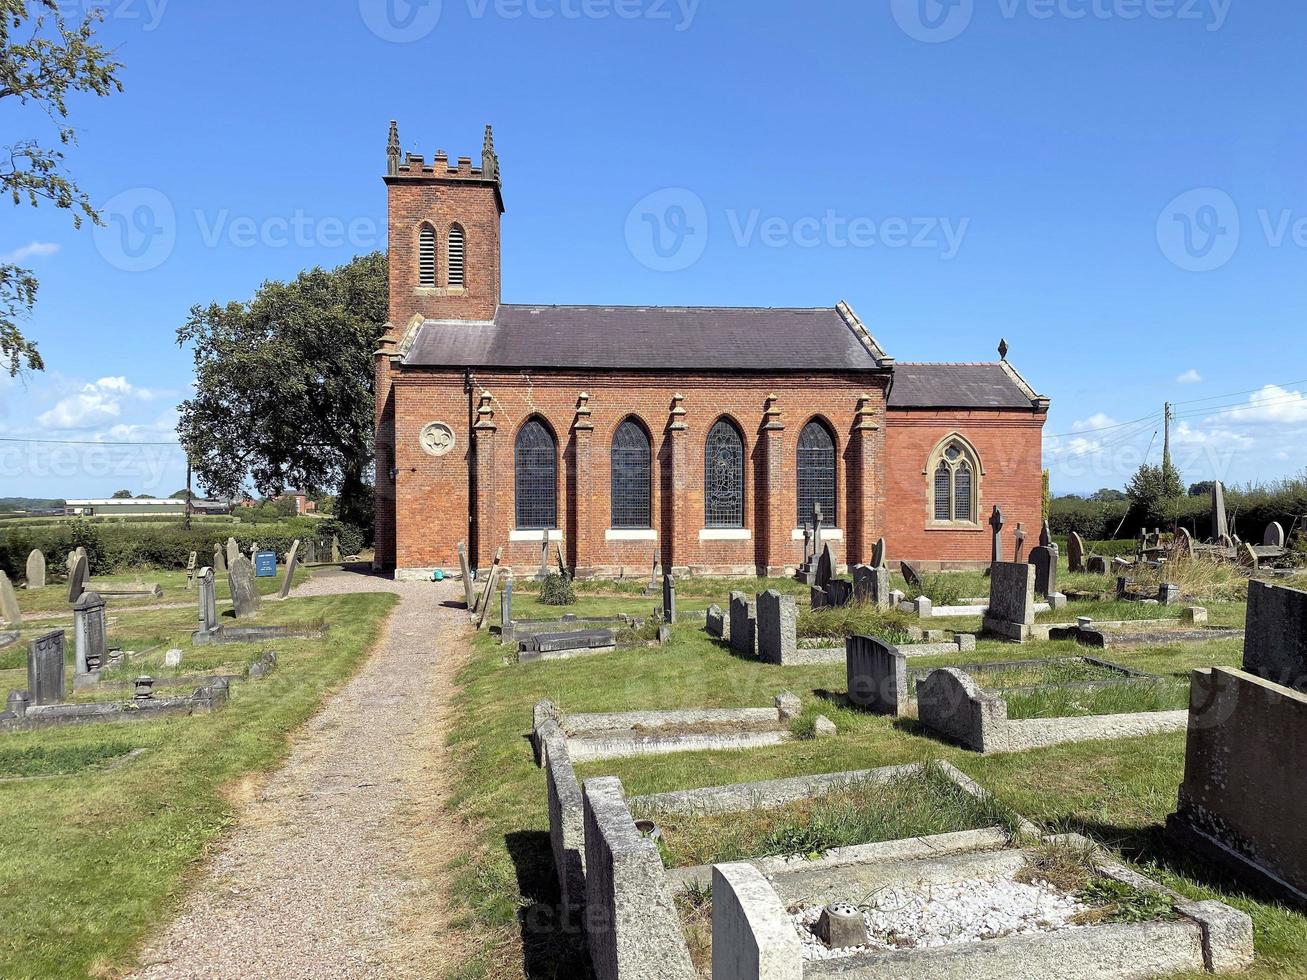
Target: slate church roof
point(658, 338)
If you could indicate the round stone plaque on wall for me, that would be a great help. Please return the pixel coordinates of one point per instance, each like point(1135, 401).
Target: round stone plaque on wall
point(437, 438)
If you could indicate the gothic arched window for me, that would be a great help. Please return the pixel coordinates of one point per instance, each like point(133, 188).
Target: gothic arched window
point(536, 467)
point(455, 255)
point(630, 488)
point(427, 256)
point(816, 471)
point(723, 476)
point(955, 471)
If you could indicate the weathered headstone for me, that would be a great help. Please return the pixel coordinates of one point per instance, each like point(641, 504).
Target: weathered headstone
point(544, 557)
point(669, 599)
point(816, 529)
point(1020, 537)
point(89, 633)
point(491, 584)
point(77, 580)
point(219, 558)
point(190, 570)
point(825, 567)
point(173, 658)
point(335, 549)
point(1220, 522)
point(716, 621)
point(208, 601)
point(292, 563)
point(777, 627)
point(469, 592)
point(254, 550)
point(311, 552)
point(1096, 565)
point(1044, 559)
point(1247, 557)
point(1275, 635)
point(45, 668)
point(1184, 544)
point(233, 552)
point(653, 572)
point(1274, 537)
point(910, 574)
point(871, 585)
point(996, 524)
point(878, 554)
point(1011, 610)
point(506, 601)
point(1075, 552)
point(36, 570)
point(877, 675)
point(9, 602)
point(484, 598)
point(743, 624)
point(244, 594)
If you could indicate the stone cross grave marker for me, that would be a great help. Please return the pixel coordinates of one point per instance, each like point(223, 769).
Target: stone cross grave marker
point(996, 522)
point(45, 668)
point(807, 542)
point(544, 557)
point(36, 570)
point(89, 633)
point(1274, 537)
point(208, 601)
point(653, 572)
point(469, 593)
point(816, 529)
point(292, 562)
point(9, 602)
point(1075, 552)
point(190, 570)
point(244, 593)
point(254, 549)
point(233, 552)
point(669, 599)
point(1220, 522)
point(1020, 537)
point(77, 580)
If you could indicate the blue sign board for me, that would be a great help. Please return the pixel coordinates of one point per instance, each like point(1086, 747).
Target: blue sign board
point(265, 564)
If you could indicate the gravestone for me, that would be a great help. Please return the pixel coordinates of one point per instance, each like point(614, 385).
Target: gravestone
point(716, 622)
point(469, 593)
point(1274, 537)
point(244, 594)
point(816, 529)
point(233, 552)
point(173, 658)
point(1046, 536)
point(1275, 635)
point(877, 675)
point(1246, 556)
point(219, 558)
point(77, 580)
point(36, 570)
point(743, 624)
point(491, 584)
point(89, 633)
point(45, 668)
point(1096, 565)
point(292, 562)
point(996, 524)
point(1184, 544)
point(1044, 560)
point(1220, 522)
point(70, 562)
point(9, 602)
point(825, 567)
point(653, 572)
point(544, 558)
point(1020, 537)
point(1011, 610)
point(254, 551)
point(878, 554)
point(335, 549)
point(871, 585)
point(190, 570)
point(484, 598)
point(839, 592)
point(669, 599)
point(506, 601)
point(208, 601)
point(1075, 552)
point(311, 552)
point(910, 575)
point(777, 627)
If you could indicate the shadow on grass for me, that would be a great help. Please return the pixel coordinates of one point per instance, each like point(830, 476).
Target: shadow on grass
point(553, 941)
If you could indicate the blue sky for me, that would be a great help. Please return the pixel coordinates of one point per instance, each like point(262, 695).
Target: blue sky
point(1114, 186)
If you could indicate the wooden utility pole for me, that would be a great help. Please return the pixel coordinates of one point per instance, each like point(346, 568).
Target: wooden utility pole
point(188, 493)
point(1166, 439)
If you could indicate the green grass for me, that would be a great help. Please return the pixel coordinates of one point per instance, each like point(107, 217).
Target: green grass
point(910, 805)
point(39, 760)
point(1114, 699)
point(1118, 793)
point(54, 598)
point(90, 863)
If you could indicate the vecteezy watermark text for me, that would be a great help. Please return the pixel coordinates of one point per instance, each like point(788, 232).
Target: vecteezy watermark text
point(668, 230)
point(936, 21)
point(148, 13)
point(406, 21)
point(1201, 230)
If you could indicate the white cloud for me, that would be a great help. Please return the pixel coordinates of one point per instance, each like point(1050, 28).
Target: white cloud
point(1185, 435)
point(32, 250)
point(1272, 404)
point(95, 404)
point(1190, 377)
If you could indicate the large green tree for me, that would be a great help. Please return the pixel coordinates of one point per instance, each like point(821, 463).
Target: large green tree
point(1153, 492)
point(43, 59)
point(284, 386)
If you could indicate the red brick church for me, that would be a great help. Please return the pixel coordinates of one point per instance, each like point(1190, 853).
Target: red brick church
point(704, 435)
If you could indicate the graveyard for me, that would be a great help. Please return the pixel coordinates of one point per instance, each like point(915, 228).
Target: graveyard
point(126, 810)
point(738, 797)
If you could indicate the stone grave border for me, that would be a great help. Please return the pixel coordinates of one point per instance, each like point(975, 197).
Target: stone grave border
point(255, 634)
point(21, 716)
point(259, 668)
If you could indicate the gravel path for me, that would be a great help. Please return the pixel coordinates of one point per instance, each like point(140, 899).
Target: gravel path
point(335, 865)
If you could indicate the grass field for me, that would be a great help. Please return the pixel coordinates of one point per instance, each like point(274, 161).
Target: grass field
point(1118, 793)
point(96, 843)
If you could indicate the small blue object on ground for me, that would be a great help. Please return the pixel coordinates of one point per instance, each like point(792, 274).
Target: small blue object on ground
point(265, 564)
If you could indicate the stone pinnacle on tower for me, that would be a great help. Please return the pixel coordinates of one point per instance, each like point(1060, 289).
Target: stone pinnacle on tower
point(393, 152)
point(489, 160)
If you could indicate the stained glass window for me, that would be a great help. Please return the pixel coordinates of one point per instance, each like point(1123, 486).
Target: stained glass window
point(816, 471)
point(537, 477)
point(631, 455)
point(723, 477)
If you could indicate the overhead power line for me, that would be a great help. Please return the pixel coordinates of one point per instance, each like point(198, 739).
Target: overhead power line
point(87, 442)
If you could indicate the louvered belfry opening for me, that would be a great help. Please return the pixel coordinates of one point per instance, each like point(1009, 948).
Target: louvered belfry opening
point(456, 256)
point(427, 256)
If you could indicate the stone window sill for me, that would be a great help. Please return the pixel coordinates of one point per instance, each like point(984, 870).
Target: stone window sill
point(440, 291)
point(555, 534)
point(955, 526)
point(630, 534)
point(725, 534)
point(833, 533)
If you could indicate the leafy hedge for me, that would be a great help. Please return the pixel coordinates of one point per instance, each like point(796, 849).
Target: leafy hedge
point(117, 547)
